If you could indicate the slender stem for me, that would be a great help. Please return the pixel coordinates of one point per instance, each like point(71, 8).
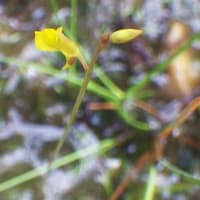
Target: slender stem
point(109, 84)
point(73, 19)
point(151, 185)
point(76, 105)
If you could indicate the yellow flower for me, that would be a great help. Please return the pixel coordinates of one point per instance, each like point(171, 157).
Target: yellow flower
point(50, 39)
point(124, 35)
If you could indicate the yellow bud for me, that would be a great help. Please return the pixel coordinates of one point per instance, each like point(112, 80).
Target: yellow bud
point(124, 35)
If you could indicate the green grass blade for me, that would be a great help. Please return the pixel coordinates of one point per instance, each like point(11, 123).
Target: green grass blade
point(73, 19)
point(150, 189)
point(100, 148)
point(161, 67)
point(70, 77)
point(132, 121)
point(180, 172)
point(55, 8)
point(109, 84)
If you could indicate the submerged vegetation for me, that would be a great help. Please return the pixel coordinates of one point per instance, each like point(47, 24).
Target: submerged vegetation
point(125, 126)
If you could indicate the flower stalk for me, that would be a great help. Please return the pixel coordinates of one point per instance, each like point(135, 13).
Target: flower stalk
point(78, 101)
point(54, 40)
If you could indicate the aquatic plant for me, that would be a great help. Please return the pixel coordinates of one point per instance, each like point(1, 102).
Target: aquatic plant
point(51, 39)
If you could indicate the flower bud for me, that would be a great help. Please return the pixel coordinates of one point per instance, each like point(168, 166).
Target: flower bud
point(124, 35)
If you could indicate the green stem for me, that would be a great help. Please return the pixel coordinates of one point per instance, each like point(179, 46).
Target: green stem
point(161, 67)
point(185, 175)
point(73, 19)
point(109, 84)
point(77, 104)
point(151, 185)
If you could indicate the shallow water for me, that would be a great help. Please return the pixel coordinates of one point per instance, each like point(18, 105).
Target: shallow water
point(35, 107)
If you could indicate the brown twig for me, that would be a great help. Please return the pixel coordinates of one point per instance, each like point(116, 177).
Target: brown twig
point(101, 106)
point(146, 158)
point(147, 108)
point(161, 140)
point(190, 141)
point(149, 157)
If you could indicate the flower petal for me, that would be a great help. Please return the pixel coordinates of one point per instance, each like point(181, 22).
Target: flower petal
point(45, 41)
point(54, 40)
point(67, 46)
